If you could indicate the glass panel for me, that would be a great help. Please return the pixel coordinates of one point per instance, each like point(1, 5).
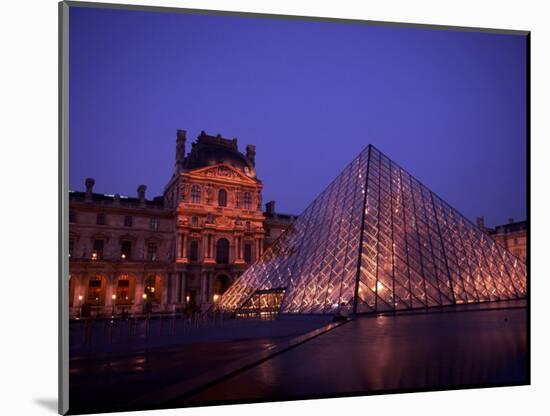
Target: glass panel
point(374, 240)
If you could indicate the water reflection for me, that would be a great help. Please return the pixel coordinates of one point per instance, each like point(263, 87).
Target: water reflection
point(389, 353)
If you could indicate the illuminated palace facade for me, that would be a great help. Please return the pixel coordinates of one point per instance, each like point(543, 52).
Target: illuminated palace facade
point(177, 252)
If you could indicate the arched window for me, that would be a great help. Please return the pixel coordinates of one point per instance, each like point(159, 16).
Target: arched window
point(247, 200)
point(222, 251)
point(195, 194)
point(222, 198)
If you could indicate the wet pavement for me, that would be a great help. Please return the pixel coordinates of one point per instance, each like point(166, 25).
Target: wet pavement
point(105, 381)
point(367, 355)
point(388, 353)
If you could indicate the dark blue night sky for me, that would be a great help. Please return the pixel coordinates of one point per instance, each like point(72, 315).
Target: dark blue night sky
point(447, 106)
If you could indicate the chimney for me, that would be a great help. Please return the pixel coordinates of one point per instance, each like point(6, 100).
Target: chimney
point(480, 223)
point(251, 153)
point(90, 182)
point(141, 194)
point(116, 200)
point(180, 149)
point(510, 220)
point(270, 207)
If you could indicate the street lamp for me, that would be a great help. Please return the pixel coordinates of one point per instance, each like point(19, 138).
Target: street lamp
point(216, 297)
point(113, 311)
point(79, 306)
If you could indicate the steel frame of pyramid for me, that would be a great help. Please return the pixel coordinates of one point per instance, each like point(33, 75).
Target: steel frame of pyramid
point(377, 240)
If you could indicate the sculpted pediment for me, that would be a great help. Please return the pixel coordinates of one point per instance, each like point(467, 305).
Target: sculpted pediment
point(221, 171)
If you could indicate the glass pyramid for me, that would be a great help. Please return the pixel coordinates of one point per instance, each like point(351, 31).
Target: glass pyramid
point(375, 240)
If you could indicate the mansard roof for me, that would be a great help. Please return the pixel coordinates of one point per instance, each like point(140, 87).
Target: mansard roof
point(211, 150)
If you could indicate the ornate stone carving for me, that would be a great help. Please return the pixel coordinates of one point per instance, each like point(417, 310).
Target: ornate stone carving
point(223, 221)
point(222, 171)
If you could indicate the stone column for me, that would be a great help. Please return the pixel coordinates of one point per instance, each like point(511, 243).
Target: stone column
point(238, 250)
point(212, 247)
point(184, 247)
point(181, 245)
point(205, 252)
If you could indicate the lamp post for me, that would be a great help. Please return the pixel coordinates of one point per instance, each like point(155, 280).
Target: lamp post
point(113, 310)
point(79, 306)
point(144, 296)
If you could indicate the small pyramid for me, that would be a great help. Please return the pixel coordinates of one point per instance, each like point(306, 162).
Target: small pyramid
point(376, 240)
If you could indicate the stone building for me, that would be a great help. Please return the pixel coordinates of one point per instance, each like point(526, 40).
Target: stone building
point(275, 223)
point(176, 252)
point(513, 236)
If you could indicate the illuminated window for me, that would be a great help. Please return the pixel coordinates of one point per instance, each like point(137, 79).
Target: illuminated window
point(152, 288)
point(247, 200)
point(95, 290)
point(222, 198)
point(195, 194)
point(154, 224)
point(128, 220)
point(123, 290)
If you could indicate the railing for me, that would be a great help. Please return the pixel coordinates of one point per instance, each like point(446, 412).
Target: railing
point(87, 332)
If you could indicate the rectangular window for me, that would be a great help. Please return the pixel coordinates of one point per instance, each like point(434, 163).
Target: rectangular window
point(125, 250)
point(128, 221)
point(97, 252)
point(194, 250)
point(247, 252)
point(100, 219)
point(94, 291)
point(123, 291)
point(152, 252)
point(154, 224)
point(247, 200)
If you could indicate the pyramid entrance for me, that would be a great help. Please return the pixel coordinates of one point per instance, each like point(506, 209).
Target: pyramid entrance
point(375, 240)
